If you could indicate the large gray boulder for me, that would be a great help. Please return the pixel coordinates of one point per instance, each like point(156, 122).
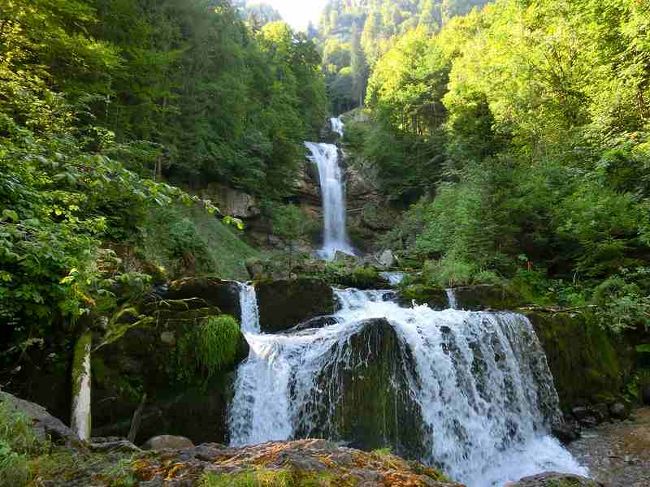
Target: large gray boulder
point(45, 425)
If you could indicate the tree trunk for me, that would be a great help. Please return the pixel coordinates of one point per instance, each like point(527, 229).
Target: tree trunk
point(81, 417)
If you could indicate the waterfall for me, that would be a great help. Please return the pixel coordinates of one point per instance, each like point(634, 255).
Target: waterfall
point(472, 389)
point(335, 238)
point(394, 278)
point(337, 125)
point(451, 298)
point(250, 315)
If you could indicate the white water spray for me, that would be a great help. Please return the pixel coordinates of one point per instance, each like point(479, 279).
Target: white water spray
point(480, 382)
point(335, 237)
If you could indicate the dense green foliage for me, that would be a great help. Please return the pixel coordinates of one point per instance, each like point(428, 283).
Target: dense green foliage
point(102, 100)
point(355, 34)
point(524, 129)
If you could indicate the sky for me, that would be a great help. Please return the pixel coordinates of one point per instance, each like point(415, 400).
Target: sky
point(297, 13)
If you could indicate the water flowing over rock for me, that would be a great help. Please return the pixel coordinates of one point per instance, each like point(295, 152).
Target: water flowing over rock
point(337, 125)
point(335, 237)
point(250, 313)
point(470, 392)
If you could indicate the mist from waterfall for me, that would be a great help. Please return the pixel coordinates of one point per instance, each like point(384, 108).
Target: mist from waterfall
point(479, 381)
point(332, 187)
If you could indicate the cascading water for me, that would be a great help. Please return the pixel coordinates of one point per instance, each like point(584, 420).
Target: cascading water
point(250, 315)
point(337, 125)
point(335, 237)
point(471, 391)
point(451, 298)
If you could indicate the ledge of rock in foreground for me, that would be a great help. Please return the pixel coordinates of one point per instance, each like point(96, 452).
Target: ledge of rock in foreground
point(287, 464)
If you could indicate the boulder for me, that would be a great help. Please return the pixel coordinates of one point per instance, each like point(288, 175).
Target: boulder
point(167, 442)
point(589, 365)
point(284, 303)
point(486, 296)
point(155, 360)
point(317, 322)
point(618, 411)
point(434, 297)
point(363, 398)
point(554, 479)
point(386, 259)
point(198, 292)
point(45, 425)
point(232, 201)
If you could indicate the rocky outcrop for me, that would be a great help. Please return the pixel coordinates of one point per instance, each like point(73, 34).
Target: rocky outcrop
point(286, 302)
point(590, 366)
point(554, 479)
point(231, 201)
point(201, 292)
point(44, 425)
point(364, 396)
point(296, 463)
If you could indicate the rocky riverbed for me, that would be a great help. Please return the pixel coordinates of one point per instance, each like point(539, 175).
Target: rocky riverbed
point(618, 454)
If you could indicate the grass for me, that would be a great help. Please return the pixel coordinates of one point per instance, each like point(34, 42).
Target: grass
point(17, 443)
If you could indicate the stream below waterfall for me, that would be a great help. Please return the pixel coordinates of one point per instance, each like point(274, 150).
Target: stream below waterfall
point(469, 392)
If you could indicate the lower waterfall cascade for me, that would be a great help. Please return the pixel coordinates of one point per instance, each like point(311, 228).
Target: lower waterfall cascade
point(479, 383)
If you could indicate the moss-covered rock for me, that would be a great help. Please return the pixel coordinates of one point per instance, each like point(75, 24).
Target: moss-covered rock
point(286, 302)
point(302, 463)
point(485, 297)
point(158, 360)
point(199, 292)
point(434, 297)
point(363, 397)
point(589, 365)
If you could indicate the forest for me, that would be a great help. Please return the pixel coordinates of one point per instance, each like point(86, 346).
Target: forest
point(158, 200)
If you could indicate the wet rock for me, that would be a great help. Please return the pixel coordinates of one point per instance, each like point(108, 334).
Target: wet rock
point(284, 303)
point(165, 442)
point(317, 322)
point(363, 396)
point(435, 298)
point(589, 365)
point(554, 479)
point(43, 423)
point(566, 431)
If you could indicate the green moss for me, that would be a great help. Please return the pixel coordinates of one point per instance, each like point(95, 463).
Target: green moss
point(209, 347)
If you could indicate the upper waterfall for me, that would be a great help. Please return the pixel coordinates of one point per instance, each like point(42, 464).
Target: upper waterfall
point(337, 125)
point(335, 237)
point(470, 392)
